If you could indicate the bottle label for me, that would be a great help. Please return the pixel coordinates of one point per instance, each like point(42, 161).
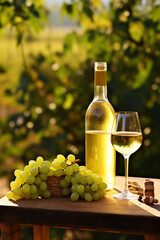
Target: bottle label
point(100, 78)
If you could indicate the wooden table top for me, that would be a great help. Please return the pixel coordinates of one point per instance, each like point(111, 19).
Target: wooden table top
point(107, 214)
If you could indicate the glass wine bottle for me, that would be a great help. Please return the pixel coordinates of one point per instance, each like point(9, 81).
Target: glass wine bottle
point(99, 153)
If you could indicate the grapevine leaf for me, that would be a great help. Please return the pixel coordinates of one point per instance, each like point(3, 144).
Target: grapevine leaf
point(155, 14)
point(136, 30)
point(35, 23)
point(142, 75)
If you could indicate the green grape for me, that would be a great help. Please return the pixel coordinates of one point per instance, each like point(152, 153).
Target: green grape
point(17, 191)
point(73, 175)
point(16, 197)
point(43, 186)
point(17, 173)
point(63, 164)
point(47, 163)
point(88, 173)
point(74, 180)
point(56, 165)
point(27, 168)
point(39, 192)
point(34, 164)
point(101, 194)
point(30, 179)
point(74, 196)
point(33, 188)
point(63, 183)
point(44, 169)
point(71, 158)
point(39, 160)
point(46, 194)
point(83, 181)
point(10, 195)
point(96, 196)
point(19, 180)
point(94, 187)
point(27, 196)
point(83, 168)
point(74, 188)
point(69, 171)
point(30, 162)
point(80, 188)
point(102, 186)
point(34, 196)
point(51, 172)
point(90, 180)
point(58, 172)
point(68, 162)
point(22, 195)
point(75, 167)
point(24, 175)
point(82, 171)
point(82, 195)
point(87, 188)
point(79, 177)
point(66, 191)
point(67, 179)
point(91, 192)
point(88, 197)
point(26, 188)
point(94, 175)
point(60, 158)
point(34, 171)
point(38, 180)
point(98, 180)
point(14, 185)
point(43, 176)
point(104, 193)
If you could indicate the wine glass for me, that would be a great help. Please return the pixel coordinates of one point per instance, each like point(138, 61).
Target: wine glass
point(126, 138)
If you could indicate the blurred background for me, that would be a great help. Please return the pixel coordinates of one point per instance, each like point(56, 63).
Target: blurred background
point(47, 52)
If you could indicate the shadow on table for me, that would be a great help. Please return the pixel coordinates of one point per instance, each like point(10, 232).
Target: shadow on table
point(156, 206)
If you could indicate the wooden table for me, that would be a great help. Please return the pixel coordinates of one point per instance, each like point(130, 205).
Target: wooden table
point(107, 214)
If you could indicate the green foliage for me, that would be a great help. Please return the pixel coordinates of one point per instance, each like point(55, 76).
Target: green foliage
point(56, 89)
point(22, 15)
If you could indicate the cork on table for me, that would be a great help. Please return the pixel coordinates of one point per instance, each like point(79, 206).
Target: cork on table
point(107, 214)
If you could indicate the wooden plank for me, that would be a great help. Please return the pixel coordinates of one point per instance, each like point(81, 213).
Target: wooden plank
point(108, 214)
point(152, 237)
point(37, 233)
point(10, 231)
point(41, 233)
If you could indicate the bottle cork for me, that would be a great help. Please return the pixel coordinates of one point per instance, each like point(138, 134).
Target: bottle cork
point(149, 200)
point(149, 188)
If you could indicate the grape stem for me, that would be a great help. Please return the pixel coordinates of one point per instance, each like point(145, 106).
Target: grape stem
point(77, 160)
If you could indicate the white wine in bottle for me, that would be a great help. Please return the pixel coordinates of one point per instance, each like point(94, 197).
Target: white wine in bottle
point(100, 156)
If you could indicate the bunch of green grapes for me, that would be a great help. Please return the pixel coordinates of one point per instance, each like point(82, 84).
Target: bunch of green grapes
point(30, 183)
point(77, 182)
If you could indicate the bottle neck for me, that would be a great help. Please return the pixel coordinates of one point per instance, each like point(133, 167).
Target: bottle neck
point(100, 93)
point(100, 83)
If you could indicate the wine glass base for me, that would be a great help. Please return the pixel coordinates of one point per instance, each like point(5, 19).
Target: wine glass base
point(126, 195)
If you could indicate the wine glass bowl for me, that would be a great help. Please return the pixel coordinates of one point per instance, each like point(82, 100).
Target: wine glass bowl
point(126, 138)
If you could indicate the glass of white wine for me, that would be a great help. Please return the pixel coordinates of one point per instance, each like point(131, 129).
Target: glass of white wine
point(126, 138)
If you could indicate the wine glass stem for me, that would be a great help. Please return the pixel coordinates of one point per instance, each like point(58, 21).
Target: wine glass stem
point(126, 160)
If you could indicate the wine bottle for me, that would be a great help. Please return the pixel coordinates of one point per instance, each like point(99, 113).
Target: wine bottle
point(100, 156)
